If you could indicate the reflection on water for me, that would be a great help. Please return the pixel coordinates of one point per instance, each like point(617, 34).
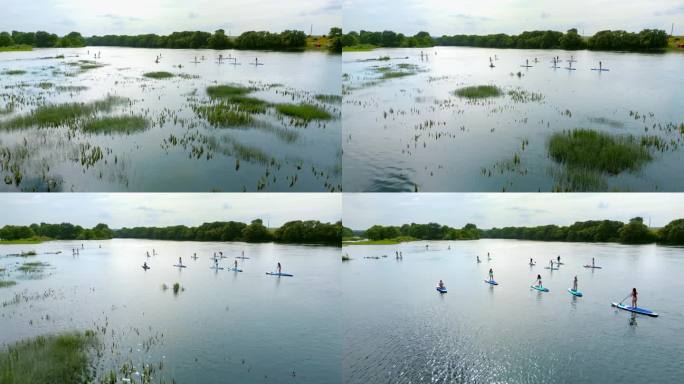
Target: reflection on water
point(174, 145)
point(247, 326)
point(398, 329)
point(404, 128)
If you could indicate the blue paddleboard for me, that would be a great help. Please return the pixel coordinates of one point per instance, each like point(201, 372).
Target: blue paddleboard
point(180, 266)
point(540, 289)
point(492, 282)
point(217, 268)
point(441, 290)
point(279, 274)
point(593, 267)
point(576, 293)
point(641, 311)
point(553, 269)
point(235, 269)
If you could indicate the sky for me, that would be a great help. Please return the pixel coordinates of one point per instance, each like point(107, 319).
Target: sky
point(488, 210)
point(164, 209)
point(100, 17)
point(451, 17)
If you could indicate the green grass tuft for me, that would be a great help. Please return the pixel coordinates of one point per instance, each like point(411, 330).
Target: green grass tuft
point(224, 115)
point(303, 111)
point(478, 92)
point(226, 91)
point(33, 266)
point(49, 359)
point(331, 99)
point(14, 72)
point(116, 124)
point(5, 284)
point(61, 114)
point(159, 75)
point(593, 150)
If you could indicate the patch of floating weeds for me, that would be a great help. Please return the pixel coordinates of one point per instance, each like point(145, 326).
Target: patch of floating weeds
point(248, 104)
point(70, 88)
point(578, 180)
point(223, 115)
point(223, 91)
point(14, 72)
point(478, 92)
point(159, 75)
point(59, 57)
point(187, 76)
point(593, 150)
point(49, 359)
point(522, 96)
point(27, 254)
point(7, 283)
point(45, 85)
point(116, 124)
point(331, 99)
point(61, 114)
point(33, 266)
point(396, 74)
point(303, 111)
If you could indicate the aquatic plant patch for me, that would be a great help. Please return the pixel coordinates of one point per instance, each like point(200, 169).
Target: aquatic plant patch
point(116, 124)
point(219, 91)
point(478, 92)
point(159, 75)
point(303, 111)
point(61, 114)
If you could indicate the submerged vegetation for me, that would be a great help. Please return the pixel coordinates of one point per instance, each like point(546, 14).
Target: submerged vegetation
point(224, 91)
point(159, 75)
point(33, 266)
point(61, 114)
point(303, 111)
point(49, 359)
point(116, 124)
point(593, 150)
point(5, 284)
point(478, 92)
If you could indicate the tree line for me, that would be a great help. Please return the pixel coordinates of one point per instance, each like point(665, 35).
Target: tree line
point(646, 40)
point(256, 40)
point(633, 232)
point(294, 232)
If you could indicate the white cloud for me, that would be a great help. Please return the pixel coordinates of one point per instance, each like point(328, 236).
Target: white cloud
point(166, 16)
point(510, 16)
point(162, 209)
point(488, 210)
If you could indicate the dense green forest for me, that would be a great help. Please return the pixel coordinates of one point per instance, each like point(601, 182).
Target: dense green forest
point(646, 40)
point(258, 40)
point(295, 232)
point(634, 232)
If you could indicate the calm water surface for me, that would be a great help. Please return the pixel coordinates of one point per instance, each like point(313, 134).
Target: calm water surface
point(398, 329)
point(224, 327)
point(180, 151)
point(412, 132)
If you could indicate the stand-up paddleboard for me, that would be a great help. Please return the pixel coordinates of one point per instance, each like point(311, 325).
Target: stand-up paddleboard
point(570, 69)
point(216, 268)
point(235, 269)
point(145, 268)
point(559, 263)
point(532, 264)
point(576, 293)
point(241, 257)
point(592, 266)
point(540, 289)
point(641, 311)
point(553, 269)
point(441, 290)
point(279, 274)
point(492, 282)
point(194, 257)
point(180, 265)
point(600, 69)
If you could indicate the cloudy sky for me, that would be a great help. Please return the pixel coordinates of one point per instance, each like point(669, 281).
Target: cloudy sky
point(488, 210)
point(132, 209)
point(99, 17)
point(451, 17)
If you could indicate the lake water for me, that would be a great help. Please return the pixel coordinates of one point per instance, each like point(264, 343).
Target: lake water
point(180, 151)
point(224, 327)
point(412, 132)
point(399, 329)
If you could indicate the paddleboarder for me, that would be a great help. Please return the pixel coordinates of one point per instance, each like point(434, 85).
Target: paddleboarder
point(574, 284)
point(235, 264)
point(558, 260)
point(279, 268)
point(491, 274)
point(634, 297)
point(539, 281)
point(441, 285)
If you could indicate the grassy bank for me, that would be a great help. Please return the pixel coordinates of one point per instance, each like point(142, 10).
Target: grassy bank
point(672, 42)
point(16, 48)
point(48, 359)
point(30, 240)
point(359, 48)
point(396, 240)
point(317, 43)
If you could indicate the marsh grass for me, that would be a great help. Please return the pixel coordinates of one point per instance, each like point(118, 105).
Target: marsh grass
point(30, 240)
point(28, 254)
point(227, 91)
point(478, 92)
point(116, 124)
point(7, 283)
point(9, 108)
point(396, 74)
point(224, 115)
point(49, 359)
point(248, 104)
point(14, 72)
point(45, 85)
point(330, 99)
point(15, 48)
point(70, 88)
point(33, 266)
point(303, 111)
point(597, 151)
point(159, 75)
point(523, 96)
point(579, 180)
point(61, 114)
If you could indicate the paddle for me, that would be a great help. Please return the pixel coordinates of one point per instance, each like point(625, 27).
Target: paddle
point(625, 298)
